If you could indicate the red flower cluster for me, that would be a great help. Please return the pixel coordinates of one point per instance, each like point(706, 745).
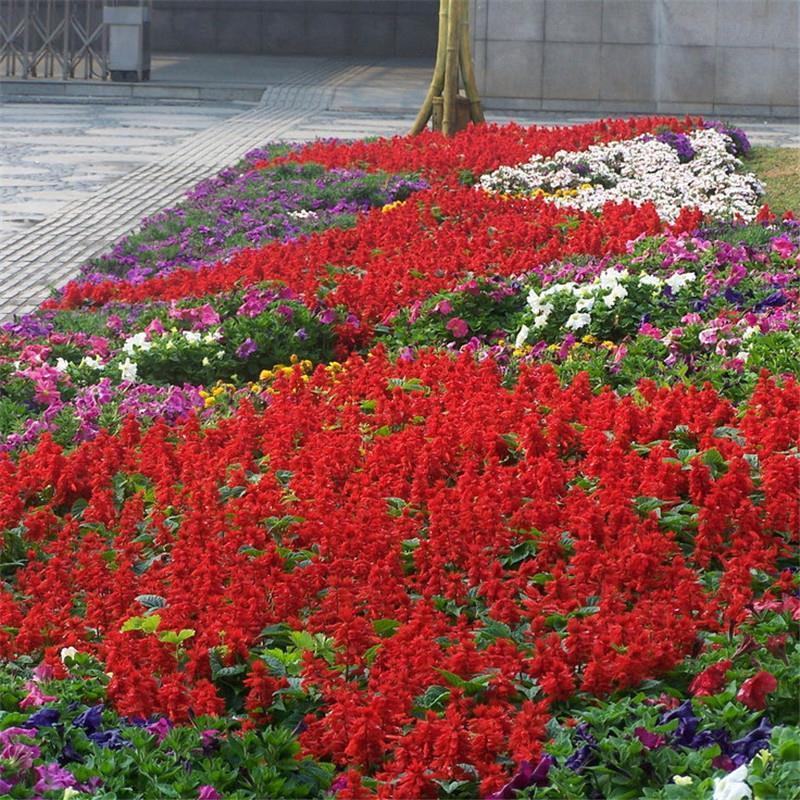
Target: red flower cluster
point(441, 529)
point(476, 149)
point(369, 269)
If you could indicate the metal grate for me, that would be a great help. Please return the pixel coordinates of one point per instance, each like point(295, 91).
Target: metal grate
point(63, 39)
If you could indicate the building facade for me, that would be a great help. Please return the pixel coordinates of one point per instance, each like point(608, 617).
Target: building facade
point(670, 56)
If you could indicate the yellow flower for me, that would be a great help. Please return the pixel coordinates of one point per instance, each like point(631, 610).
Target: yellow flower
point(682, 780)
point(390, 206)
point(306, 365)
point(209, 401)
point(764, 755)
point(608, 345)
point(293, 358)
point(589, 339)
point(265, 375)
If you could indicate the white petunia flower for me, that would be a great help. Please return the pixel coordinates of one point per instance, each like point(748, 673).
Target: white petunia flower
point(578, 321)
point(619, 292)
point(540, 320)
point(609, 278)
point(522, 336)
point(733, 786)
point(650, 280)
point(679, 280)
point(127, 370)
point(61, 364)
point(137, 341)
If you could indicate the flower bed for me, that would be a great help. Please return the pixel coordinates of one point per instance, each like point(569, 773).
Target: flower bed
point(469, 495)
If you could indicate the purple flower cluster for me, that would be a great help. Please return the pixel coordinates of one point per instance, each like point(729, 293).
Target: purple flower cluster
point(18, 754)
point(680, 143)
point(246, 207)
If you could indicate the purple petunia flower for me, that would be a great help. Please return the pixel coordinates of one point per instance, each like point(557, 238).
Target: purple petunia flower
point(246, 348)
point(580, 758)
point(111, 739)
point(44, 718)
point(709, 738)
point(527, 775)
point(687, 723)
point(91, 719)
point(750, 744)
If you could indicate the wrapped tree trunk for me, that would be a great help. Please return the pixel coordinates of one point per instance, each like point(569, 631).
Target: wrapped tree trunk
point(449, 110)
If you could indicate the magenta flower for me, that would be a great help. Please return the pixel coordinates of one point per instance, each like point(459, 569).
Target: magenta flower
point(160, 728)
point(21, 756)
point(651, 741)
point(443, 307)
point(208, 793)
point(10, 733)
point(458, 327)
point(783, 246)
point(44, 672)
point(52, 777)
point(35, 696)
point(155, 327)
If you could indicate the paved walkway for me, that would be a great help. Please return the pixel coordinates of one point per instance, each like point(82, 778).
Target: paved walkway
point(51, 155)
point(94, 171)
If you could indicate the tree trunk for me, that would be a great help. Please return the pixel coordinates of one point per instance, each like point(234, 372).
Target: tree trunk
point(435, 89)
point(467, 68)
point(453, 59)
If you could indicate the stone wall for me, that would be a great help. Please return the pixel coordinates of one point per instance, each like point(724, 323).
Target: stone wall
point(385, 28)
point(671, 56)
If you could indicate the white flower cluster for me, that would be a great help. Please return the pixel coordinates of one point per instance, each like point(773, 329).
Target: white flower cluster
point(167, 340)
point(303, 213)
point(140, 341)
point(608, 289)
point(639, 170)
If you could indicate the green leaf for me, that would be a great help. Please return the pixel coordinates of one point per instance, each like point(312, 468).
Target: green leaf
point(176, 637)
point(144, 624)
point(151, 601)
point(385, 627)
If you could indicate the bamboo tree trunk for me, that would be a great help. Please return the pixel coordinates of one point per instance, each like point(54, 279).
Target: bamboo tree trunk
point(467, 69)
point(437, 82)
point(451, 70)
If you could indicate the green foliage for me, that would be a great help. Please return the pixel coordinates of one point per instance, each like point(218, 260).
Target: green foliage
point(136, 763)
